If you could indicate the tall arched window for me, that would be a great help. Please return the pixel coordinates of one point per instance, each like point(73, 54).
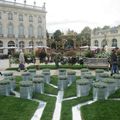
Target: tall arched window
point(10, 16)
point(1, 44)
point(10, 29)
point(104, 43)
point(39, 19)
point(11, 44)
point(21, 44)
point(30, 30)
point(21, 30)
point(114, 42)
point(0, 28)
point(31, 43)
point(96, 43)
point(39, 32)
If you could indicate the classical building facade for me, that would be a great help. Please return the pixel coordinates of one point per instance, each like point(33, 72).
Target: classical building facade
point(22, 26)
point(109, 37)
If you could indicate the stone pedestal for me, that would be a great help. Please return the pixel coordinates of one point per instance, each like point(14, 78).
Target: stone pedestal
point(32, 72)
point(26, 76)
point(62, 72)
point(99, 91)
point(84, 71)
point(117, 79)
point(5, 87)
point(97, 72)
point(46, 77)
point(7, 74)
point(12, 82)
point(38, 85)
point(103, 76)
point(83, 87)
point(26, 89)
point(71, 77)
point(111, 85)
point(62, 82)
point(89, 78)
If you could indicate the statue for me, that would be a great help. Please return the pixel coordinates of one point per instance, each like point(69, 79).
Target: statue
point(21, 61)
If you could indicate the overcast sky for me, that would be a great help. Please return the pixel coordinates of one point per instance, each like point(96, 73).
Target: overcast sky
point(76, 14)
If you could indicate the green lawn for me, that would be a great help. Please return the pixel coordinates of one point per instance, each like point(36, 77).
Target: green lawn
point(50, 90)
point(116, 94)
point(101, 110)
point(12, 108)
point(49, 109)
point(66, 113)
point(54, 80)
point(71, 90)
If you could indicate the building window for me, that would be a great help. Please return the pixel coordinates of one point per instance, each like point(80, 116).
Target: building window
point(30, 18)
point(31, 43)
point(10, 29)
point(21, 44)
point(20, 17)
point(1, 44)
point(0, 28)
point(96, 43)
point(10, 16)
point(39, 19)
point(30, 31)
point(0, 15)
point(114, 42)
point(104, 43)
point(39, 32)
point(21, 30)
point(11, 44)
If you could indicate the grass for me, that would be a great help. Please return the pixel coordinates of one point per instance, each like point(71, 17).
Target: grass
point(116, 94)
point(12, 108)
point(49, 89)
point(71, 90)
point(101, 110)
point(66, 113)
point(50, 106)
point(54, 80)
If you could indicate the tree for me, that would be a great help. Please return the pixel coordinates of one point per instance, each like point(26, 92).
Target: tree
point(57, 35)
point(84, 37)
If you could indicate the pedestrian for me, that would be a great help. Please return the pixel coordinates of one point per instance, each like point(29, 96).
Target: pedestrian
point(114, 62)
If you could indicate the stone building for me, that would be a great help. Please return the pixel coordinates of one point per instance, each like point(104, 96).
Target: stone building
point(22, 26)
point(109, 37)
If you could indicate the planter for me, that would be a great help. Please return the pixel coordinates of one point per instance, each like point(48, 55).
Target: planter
point(71, 77)
point(41, 76)
point(32, 72)
point(83, 87)
point(84, 71)
point(5, 87)
point(26, 76)
point(111, 85)
point(38, 85)
point(89, 78)
point(117, 79)
point(12, 82)
point(7, 74)
point(26, 89)
point(46, 77)
point(46, 70)
point(100, 91)
point(62, 72)
point(62, 83)
point(103, 76)
point(98, 72)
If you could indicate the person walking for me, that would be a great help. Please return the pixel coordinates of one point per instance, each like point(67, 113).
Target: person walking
point(114, 62)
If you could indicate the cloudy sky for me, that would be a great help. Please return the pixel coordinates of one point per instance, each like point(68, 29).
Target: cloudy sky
point(76, 14)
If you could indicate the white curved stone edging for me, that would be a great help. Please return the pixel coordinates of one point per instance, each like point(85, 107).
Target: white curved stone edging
point(76, 113)
point(38, 113)
point(58, 106)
